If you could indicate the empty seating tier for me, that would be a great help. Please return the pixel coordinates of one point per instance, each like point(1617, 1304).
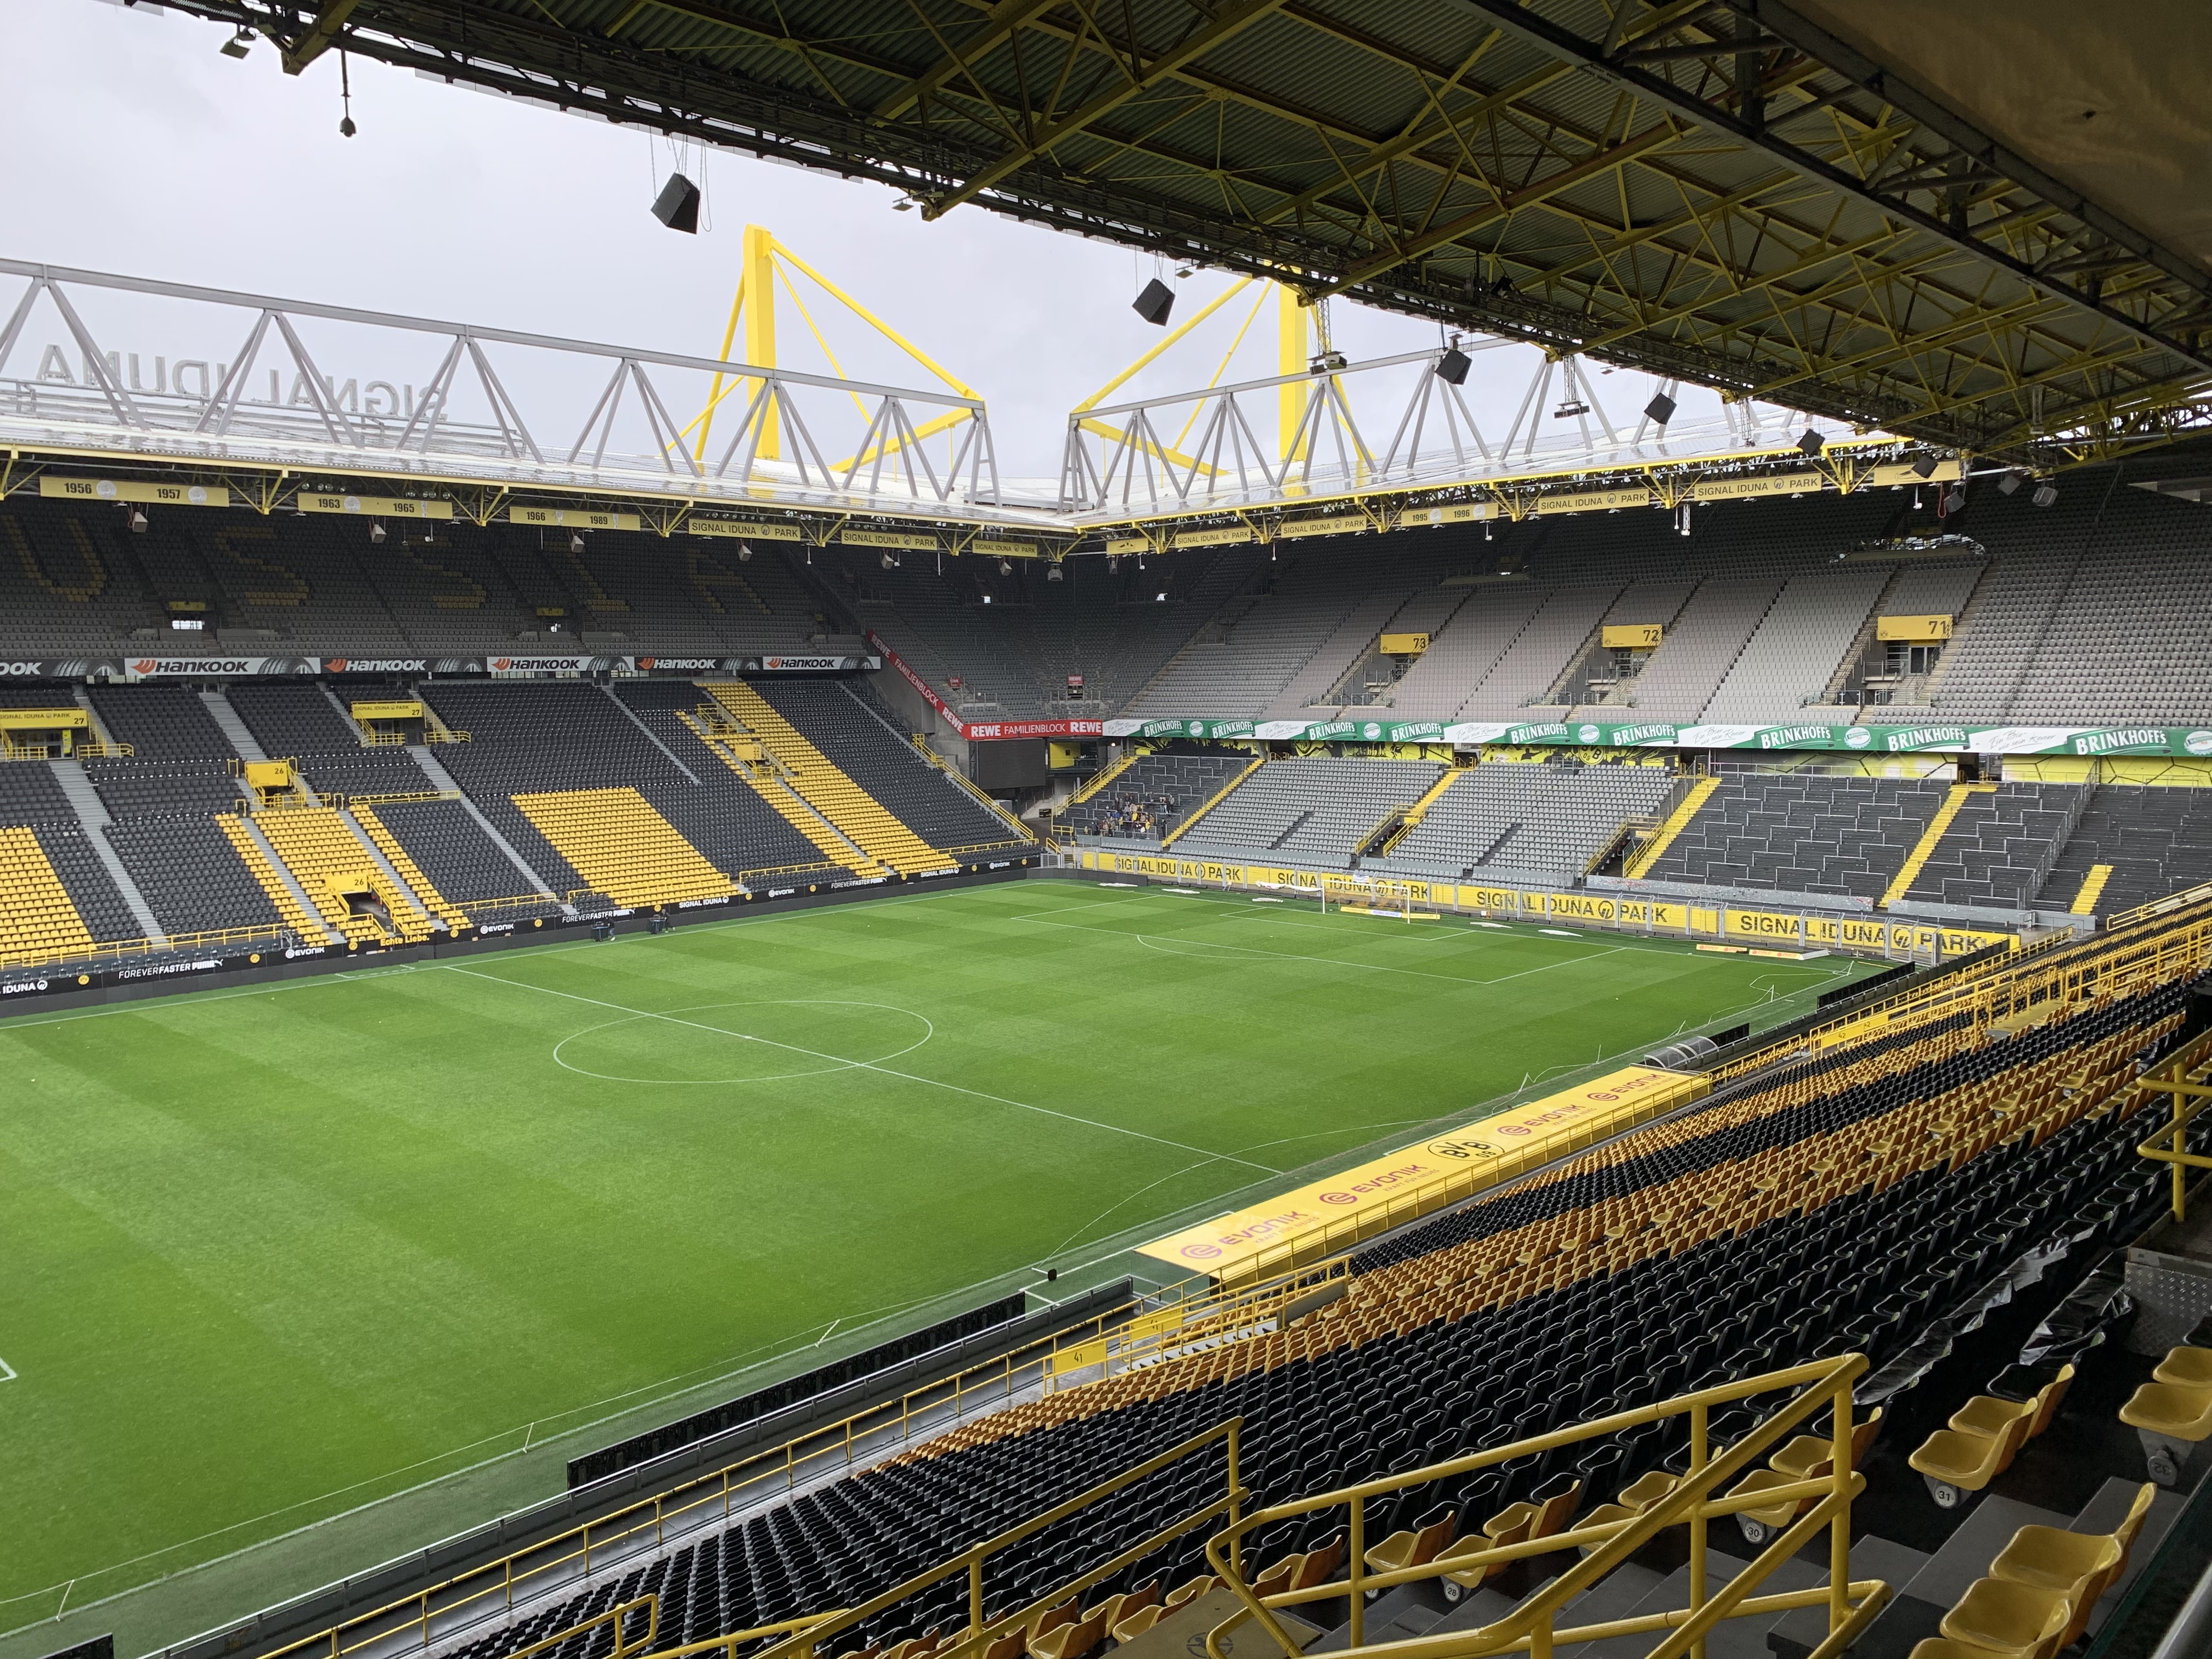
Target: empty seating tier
point(191, 874)
point(339, 873)
point(623, 847)
point(38, 921)
point(1320, 811)
point(1549, 821)
point(1802, 833)
point(1155, 793)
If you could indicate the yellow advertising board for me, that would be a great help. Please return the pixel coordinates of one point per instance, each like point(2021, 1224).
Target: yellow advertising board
point(1634, 636)
point(1006, 550)
point(375, 507)
point(743, 529)
point(1343, 523)
point(1462, 513)
point(1594, 501)
point(134, 489)
point(1912, 628)
point(1333, 1213)
point(1209, 537)
point(893, 539)
point(1901, 472)
point(1403, 645)
point(1682, 918)
point(1121, 544)
point(569, 517)
point(1743, 488)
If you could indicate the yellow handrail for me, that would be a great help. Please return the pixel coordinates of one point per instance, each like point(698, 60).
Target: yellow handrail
point(618, 1616)
point(2188, 896)
point(2180, 1077)
point(1529, 1626)
point(142, 947)
point(1213, 800)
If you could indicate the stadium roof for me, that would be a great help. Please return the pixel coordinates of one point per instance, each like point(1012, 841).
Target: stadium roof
point(1948, 221)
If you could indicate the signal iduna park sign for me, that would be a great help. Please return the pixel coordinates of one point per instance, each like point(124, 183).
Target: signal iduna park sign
point(1654, 734)
point(1386, 1192)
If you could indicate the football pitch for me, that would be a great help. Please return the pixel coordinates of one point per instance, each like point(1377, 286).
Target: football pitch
point(267, 1254)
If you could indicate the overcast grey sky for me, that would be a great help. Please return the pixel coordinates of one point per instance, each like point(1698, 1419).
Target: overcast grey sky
point(157, 156)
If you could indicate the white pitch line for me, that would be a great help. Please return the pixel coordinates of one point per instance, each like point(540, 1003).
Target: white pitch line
point(865, 1066)
point(1161, 943)
point(7, 1372)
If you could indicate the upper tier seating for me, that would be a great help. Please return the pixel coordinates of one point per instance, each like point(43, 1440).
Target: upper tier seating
point(1802, 833)
point(30, 793)
point(291, 719)
point(161, 722)
point(1833, 1208)
point(1318, 811)
point(1549, 820)
point(139, 788)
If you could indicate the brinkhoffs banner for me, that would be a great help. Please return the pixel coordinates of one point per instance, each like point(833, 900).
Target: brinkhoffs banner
point(1930, 738)
point(1331, 1214)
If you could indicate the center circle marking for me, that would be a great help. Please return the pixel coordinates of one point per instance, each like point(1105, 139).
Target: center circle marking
point(700, 1028)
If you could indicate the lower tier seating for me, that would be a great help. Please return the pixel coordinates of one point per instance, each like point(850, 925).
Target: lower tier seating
point(1150, 797)
point(1317, 811)
point(1802, 833)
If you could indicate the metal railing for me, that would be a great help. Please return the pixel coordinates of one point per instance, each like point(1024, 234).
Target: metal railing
point(1824, 1501)
point(494, 1588)
point(2188, 896)
point(128, 950)
point(984, 1625)
point(978, 795)
point(2185, 1076)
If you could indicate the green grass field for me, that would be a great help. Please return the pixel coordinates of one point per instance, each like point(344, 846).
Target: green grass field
point(267, 1254)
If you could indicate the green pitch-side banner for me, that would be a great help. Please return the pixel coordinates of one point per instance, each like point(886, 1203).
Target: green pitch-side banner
point(2175, 740)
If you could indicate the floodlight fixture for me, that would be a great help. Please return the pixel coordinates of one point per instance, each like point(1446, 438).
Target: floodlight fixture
point(1660, 410)
point(2046, 494)
point(239, 44)
point(1154, 304)
point(1053, 574)
point(138, 521)
point(1005, 568)
point(1954, 500)
point(375, 534)
point(1682, 517)
point(887, 561)
point(1811, 444)
point(1452, 367)
point(745, 552)
point(575, 541)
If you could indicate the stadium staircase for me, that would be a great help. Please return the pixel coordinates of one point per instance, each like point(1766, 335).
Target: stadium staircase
point(294, 907)
point(455, 919)
point(744, 753)
point(1675, 822)
point(1924, 849)
point(622, 848)
point(1410, 819)
point(2093, 887)
point(335, 870)
point(855, 813)
point(38, 921)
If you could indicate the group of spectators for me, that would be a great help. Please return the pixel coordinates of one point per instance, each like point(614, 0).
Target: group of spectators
point(1145, 816)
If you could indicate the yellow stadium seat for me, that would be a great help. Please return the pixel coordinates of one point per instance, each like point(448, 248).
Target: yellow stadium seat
point(2186, 1367)
point(2018, 1621)
point(1957, 1462)
point(1417, 1546)
point(2171, 1419)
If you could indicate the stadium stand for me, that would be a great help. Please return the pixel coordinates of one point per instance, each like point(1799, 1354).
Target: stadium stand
point(2083, 612)
point(161, 722)
point(1320, 810)
point(1153, 794)
point(1999, 849)
point(2150, 840)
point(192, 875)
point(931, 805)
point(1548, 820)
point(1802, 833)
point(457, 858)
point(1835, 1203)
